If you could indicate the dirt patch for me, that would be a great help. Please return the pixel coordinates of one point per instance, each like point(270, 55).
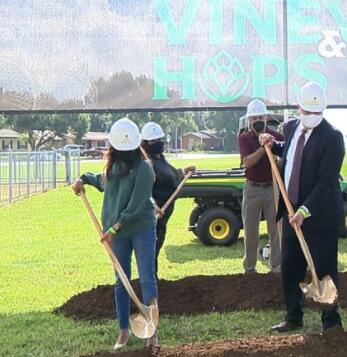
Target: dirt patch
point(333, 343)
point(215, 294)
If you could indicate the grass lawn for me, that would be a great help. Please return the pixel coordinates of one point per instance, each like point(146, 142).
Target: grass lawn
point(50, 251)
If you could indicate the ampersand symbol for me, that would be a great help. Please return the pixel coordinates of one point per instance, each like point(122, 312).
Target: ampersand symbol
point(329, 47)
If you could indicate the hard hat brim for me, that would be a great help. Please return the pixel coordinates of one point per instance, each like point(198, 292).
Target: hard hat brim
point(313, 108)
point(125, 147)
point(147, 138)
point(256, 114)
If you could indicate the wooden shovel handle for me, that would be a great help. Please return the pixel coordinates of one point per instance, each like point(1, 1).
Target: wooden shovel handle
point(178, 189)
point(289, 206)
point(115, 262)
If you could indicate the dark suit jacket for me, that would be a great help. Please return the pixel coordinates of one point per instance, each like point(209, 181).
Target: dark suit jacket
point(319, 188)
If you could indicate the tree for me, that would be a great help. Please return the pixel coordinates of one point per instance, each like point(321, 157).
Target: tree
point(226, 123)
point(102, 122)
point(38, 129)
point(177, 124)
point(76, 124)
point(2, 122)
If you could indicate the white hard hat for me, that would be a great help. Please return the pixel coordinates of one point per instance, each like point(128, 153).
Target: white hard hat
point(152, 131)
point(312, 97)
point(125, 135)
point(256, 107)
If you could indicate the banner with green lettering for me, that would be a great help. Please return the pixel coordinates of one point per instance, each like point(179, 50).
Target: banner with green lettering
point(167, 54)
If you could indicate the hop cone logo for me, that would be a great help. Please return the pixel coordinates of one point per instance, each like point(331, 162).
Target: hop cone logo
point(223, 78)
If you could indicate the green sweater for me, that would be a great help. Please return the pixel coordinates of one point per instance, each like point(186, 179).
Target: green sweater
point(127, 199)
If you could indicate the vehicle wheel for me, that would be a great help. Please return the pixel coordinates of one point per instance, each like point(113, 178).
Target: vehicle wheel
point(343, 228)
point(218, 226)
point(193, 218)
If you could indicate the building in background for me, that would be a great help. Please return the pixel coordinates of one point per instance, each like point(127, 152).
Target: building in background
point(94, 139)
point(202, 140)
point(11, 140)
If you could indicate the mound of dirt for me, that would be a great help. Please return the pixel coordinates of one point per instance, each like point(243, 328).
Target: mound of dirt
point(215, 294)
point(332, 343)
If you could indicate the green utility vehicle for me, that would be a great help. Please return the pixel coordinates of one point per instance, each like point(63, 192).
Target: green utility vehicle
point(216, 218)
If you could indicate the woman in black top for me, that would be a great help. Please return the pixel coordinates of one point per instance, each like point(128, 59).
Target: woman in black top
point(166, 177)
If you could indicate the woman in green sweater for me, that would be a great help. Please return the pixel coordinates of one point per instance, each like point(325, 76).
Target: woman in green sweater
point(127, 216)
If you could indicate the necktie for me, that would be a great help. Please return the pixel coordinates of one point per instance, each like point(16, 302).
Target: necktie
point(293, 186)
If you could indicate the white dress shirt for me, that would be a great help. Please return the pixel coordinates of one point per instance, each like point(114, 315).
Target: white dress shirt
point(291, 151)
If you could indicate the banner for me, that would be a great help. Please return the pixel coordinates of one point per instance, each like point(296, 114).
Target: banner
point(122, 55)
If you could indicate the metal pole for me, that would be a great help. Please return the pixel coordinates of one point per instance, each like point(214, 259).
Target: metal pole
point(73, 158)
point(19, 175)
point(42, 162)
point(176, 140)
point(36, 170)
point(14, 166)
point(68, 167)
point(54, 169)
point(10, 178)
point(78, 164)
point(28, 175)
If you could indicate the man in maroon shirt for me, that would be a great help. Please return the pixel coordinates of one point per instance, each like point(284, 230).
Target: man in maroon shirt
point(258, 195)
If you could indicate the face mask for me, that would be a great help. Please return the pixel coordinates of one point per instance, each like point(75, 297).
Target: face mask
point(126, 156)
point(156, 148)
point(258, 126)
point(311, 121)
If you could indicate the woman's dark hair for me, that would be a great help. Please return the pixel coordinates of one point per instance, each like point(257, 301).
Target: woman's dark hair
point(144, 146)
point(113, 156)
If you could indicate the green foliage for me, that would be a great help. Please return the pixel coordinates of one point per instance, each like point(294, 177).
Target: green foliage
point(226, 124)
point(184, 122)
point(39, 129)
point(2, 122)
point(77, 124)
point(102, 122)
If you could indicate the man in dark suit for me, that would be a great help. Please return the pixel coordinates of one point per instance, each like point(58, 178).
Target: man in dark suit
point(312, 153)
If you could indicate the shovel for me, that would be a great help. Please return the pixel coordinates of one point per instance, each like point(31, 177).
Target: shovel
point(276, 197)
point(323, 291)
point(142, 324)
point(175, 193)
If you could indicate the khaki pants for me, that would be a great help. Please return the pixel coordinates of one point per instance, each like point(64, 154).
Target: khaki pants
point(258, 199)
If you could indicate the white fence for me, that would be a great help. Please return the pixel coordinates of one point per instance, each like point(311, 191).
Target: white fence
point(25, 173)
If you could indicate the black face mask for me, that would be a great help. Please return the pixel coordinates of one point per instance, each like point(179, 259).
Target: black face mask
point(258, 126)
point(155, 148)
point(126, 156)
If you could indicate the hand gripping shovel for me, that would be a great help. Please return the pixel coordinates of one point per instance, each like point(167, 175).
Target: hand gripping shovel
point(323, 291)
point(142, 324)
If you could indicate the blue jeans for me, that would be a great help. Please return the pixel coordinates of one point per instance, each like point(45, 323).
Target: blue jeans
point(143, 244)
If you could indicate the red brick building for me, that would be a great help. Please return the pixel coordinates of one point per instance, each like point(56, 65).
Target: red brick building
point(201, 140)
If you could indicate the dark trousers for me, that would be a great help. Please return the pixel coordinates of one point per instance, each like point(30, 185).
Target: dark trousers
point(323, 248)
point(161, 233)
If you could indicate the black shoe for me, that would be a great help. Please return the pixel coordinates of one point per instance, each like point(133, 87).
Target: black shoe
point(286, 326)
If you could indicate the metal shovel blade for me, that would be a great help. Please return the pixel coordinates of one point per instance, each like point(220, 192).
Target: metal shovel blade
point(145, 325)
point(324, 293)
